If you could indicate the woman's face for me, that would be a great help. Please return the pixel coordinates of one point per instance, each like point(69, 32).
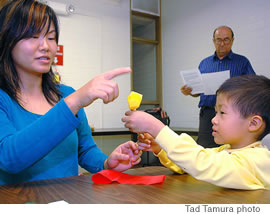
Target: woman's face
point(35, 55)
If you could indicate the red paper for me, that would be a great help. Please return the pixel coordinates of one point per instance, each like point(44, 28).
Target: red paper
point(108, 176)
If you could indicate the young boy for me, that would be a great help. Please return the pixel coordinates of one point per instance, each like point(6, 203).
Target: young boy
point(242, 120)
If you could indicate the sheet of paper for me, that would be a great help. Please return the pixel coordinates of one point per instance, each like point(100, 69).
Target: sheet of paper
point(193, 79)
point(212, 81)
point(58, 202)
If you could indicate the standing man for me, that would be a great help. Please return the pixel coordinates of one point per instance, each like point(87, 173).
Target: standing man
point(222, 60)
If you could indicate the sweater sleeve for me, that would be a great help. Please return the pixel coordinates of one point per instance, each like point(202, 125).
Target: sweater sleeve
point(91, 157)
point(238, 170)
point(20, 149)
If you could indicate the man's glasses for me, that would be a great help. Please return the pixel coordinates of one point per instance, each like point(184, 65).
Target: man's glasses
point(226, 41)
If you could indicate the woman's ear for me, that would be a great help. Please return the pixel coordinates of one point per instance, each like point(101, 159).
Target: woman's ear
point(256, 123)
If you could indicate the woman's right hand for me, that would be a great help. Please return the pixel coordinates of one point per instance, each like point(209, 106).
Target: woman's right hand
point(100, 87)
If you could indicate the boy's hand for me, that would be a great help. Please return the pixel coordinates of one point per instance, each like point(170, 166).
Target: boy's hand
point(147, 143)
point(141, 122)
point(123, 157)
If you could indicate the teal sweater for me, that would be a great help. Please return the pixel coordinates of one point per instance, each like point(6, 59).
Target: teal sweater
point(35, 147)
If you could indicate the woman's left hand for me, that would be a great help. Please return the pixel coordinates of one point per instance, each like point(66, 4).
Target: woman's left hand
point(123, 157)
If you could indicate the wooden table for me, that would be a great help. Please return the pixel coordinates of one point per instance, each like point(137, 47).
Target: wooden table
point(177, 189)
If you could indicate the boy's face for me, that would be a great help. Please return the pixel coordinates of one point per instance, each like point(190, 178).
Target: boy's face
point(228, 125)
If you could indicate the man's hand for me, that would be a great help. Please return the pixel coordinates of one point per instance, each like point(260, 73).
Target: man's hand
point(188, 91)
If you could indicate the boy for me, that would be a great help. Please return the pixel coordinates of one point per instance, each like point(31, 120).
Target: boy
point(242, 120)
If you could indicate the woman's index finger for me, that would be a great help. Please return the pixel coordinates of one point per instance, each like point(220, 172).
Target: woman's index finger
point(116, 72)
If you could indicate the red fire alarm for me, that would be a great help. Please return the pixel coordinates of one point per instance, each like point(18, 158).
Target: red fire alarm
point(59, 55)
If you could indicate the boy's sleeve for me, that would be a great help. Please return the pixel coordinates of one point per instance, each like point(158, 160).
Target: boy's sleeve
point(238, 170)
point(165, 161)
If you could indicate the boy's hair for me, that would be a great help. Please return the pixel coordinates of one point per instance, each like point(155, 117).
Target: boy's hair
point(21, 19)
point(250, 95)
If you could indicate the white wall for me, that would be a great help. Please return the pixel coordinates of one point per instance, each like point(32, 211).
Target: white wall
point(187, 29)
point(96, 39)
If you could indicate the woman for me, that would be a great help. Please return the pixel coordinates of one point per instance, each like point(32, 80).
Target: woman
point(44, 132)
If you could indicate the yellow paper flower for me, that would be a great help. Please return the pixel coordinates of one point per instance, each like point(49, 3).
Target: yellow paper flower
point(134, 100)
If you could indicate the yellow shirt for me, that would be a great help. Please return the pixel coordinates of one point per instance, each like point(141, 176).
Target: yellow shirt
point(246, 168)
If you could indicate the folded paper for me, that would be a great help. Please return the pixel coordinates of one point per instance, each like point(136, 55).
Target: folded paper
point(108, 176)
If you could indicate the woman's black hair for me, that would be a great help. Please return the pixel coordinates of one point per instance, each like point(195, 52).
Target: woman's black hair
point(21, 19)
